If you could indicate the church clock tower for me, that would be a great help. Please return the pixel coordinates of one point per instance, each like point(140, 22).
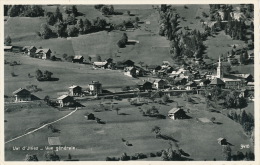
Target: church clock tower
point(220, 69)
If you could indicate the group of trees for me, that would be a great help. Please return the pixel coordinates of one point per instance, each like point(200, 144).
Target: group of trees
point(45, 76)
point(57, 26)
point(105, 9)
point(189, 44)
point(246, 120)
point(233, 100)
point(23, 10)
point(123, 41)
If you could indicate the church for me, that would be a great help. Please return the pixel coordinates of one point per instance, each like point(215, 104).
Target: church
point(227, 81)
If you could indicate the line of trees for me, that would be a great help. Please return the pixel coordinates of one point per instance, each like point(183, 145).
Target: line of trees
point(23, 10)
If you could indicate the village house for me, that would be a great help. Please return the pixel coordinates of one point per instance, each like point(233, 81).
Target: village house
point(246, 77)
point(22, 95)
point(177, 113)
point(29, 50)
point(232, 83)
point(130, 71)
point(75, 90)
point(95, 88)
point(78, 59)
point(250, 85)
point(154, 68)
point(191, 86)
point(65, 101)
point(43, 53)
point(159, 84)
point(204, 82)
point(180, 81)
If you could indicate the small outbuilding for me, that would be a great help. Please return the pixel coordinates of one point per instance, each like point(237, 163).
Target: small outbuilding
point(222, 141)
point(176, 113)
point(90, 116)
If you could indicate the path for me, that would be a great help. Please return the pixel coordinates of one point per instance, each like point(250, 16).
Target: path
point(28, 133)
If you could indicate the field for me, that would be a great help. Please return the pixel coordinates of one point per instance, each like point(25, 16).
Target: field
point(96, 141)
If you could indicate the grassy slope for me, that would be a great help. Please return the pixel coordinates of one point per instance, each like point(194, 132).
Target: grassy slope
point(95, 142)
point(68, 74)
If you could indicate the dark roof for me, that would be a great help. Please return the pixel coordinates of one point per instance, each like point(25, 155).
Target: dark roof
point(21, 91)
point(217, 81)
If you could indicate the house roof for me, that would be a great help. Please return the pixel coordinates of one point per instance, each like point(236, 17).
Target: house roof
point(158, 80)
point(21, 91)
point(43, 50)
point(74, 86)
point(174, 110)
point(100, 63)
point(250, 83)
point(217, 81)
point(62, 97)
point(28, 47)
point(153, 66)
point(191, 83)
point(94, 82)
point(77, 57)
point(8, 47)
point(242, 75)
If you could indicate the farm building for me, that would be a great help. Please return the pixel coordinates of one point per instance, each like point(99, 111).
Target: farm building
point(95, 88)
point(176, 113)
point(159, 84)
point(222, 141)
point(90, 116)
point(65, 100)
point(43, 53)
point(75, 90)
point(29, 50)
point(102, 65)
point(22, 94)
point(78, 59)
point(145, 85)
point(154, 68)
point(8, 48)
point(232, 83)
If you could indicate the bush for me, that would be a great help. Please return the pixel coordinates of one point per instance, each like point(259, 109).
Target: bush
point(159, 153)
point(121, 44)
point(140, 155)
point(152, 155)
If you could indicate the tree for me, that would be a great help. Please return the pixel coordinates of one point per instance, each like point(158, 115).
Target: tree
point(80, 26)
point(117, 109)
point(99, 58)
point(165, 98)
point(74, 10)
point(47, 75)
point(128, 12)
point(137, 19)
point(39, 74)
point(64, 56)
point(51, 20)
point(71, 19)
point(8, 41)
point(156, 130)
point(213, 119)
point(30, 158)
point(45, 31)
point(105, 10)
point(58, 14)
point(89, 58)
point(121, 44)
point(51, 156)
point(72, 31)
point(87, 26)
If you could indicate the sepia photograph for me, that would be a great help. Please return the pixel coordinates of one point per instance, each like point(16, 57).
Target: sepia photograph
point(129, 82)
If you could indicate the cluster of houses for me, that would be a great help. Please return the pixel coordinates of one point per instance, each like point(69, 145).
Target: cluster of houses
point(31, 51)
point(94, 88)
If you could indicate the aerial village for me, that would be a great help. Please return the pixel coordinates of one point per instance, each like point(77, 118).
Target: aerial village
point(86, 96)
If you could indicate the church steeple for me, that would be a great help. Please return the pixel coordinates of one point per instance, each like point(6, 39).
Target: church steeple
point(219, 69)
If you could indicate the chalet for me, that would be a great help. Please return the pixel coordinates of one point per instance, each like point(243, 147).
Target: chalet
point(8, 48)
point(145, 86)
point(43, 53)
point(140, 72)
point(95, 88)
point(22, 95)
point(130, 71)
point(102, 65)
point(191, 86)
point(29, 50)
point(65, 100)
point(75, 90)
point(159, 84)
point(78, 59)
point(217, 82)
point(128, 63)
point(129, 25)
point(177, 113)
